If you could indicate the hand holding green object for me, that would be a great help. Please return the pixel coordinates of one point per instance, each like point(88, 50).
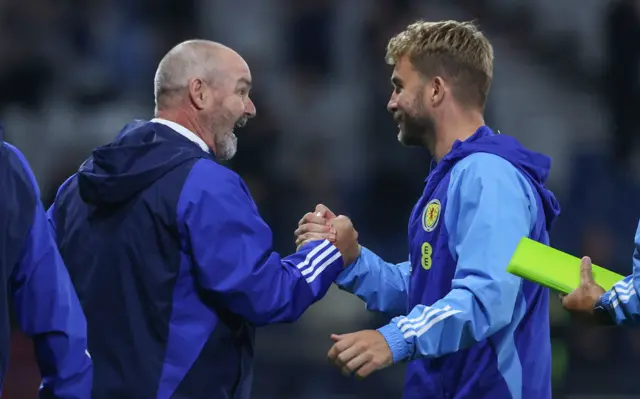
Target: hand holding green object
point(554, 269)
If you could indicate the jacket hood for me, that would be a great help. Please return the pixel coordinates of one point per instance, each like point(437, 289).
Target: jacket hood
point(141, 154)
point(533, 165)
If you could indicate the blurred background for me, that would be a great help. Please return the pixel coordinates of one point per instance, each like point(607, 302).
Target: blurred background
point(567, 83)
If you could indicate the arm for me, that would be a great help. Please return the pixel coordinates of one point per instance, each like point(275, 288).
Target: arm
point(48, 310)
point(489, 209)
point(51, 210)
point(622, 303)
point(231, 247)
point(383, 286)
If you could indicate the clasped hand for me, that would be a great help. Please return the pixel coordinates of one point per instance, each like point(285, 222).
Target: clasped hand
point(323, 224)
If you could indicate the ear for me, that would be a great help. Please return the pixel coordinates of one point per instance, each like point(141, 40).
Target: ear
point(437, 91)
point(198, 93)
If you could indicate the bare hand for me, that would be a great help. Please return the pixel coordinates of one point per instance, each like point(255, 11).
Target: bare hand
point(362, 352)
point(315, 226)
point(582, 300)
point(323, 224)
point(346, 239)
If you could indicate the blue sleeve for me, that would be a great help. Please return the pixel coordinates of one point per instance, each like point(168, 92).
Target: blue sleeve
point(48, 310)
point(490, 207)
point(51, 210)
point(622, 302)
point(383, 286)
point(232, 250)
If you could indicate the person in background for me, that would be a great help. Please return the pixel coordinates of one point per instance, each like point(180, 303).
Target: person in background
point(36, 281)
point(618, 306)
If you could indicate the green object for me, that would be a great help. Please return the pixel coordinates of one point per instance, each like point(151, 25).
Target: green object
point(554, 269)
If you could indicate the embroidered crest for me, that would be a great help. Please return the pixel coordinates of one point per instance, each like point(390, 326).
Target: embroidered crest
point(431, 215)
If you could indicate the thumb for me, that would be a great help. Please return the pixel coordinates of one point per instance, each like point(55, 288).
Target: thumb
point(586, 272)
point(324, 211)
point(336, 337)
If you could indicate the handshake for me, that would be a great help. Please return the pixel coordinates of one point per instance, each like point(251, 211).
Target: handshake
point(322, 224)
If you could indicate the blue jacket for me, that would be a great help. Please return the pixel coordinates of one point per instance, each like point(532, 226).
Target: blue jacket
point(33, 276)
point(471, 329)
point(174, 268)
point(622, 302)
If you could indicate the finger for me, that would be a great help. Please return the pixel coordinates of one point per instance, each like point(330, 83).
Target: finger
point(304, 218)
point(308, 237)
point(586, 272)
point(368, 368)
point(333, 353)
point(325, 211)
point(355, 363)
point(341, 221)
point(347, 355)
point(340, 347)
point(312, 228)
point(336, 337)
point(313, 218)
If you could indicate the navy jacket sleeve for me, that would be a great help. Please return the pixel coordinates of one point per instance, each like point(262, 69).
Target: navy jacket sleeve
point(231, 247)
point(491, 206)
point(48, 310)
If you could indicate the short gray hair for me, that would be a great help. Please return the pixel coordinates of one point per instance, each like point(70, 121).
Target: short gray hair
point(187, 60)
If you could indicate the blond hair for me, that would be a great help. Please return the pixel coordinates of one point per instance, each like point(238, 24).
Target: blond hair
point(457, 51)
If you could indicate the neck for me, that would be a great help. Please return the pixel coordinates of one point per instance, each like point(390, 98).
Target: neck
point(458, 127)
point(189, 121)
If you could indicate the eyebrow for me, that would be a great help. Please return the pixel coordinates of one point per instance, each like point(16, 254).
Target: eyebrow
point(244, 81)
point(396, 81)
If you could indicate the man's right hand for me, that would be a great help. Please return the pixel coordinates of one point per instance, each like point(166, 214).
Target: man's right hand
point(324, 224)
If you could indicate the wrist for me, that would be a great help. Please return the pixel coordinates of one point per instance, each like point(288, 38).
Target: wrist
point(601, 310)
point(352, 256)
point(395, 339)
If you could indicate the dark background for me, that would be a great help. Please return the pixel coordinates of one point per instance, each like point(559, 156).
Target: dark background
point(73, 72)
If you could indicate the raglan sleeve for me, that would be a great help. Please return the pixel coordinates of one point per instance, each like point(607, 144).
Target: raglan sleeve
point(231, 247)
point(490, 208)
point(383, 286)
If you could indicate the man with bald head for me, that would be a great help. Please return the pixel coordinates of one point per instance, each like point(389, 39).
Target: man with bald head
point(170, 259)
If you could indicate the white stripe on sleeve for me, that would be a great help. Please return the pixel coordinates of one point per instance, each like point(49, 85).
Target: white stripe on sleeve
point(318, 260)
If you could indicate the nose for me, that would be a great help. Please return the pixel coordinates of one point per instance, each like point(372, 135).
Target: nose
point(392, 105)
point(250, 109)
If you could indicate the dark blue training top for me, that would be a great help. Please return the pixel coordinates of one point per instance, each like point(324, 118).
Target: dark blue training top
point(174, 268)
point(34, 277)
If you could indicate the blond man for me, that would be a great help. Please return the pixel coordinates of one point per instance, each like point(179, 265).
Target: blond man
point(467, 328)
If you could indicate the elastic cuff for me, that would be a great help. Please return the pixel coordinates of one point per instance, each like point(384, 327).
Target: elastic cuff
point(395, 340)
point(603, 310)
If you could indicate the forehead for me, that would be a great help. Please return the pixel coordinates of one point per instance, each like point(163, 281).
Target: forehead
point(404, 70)
point(239, 68)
